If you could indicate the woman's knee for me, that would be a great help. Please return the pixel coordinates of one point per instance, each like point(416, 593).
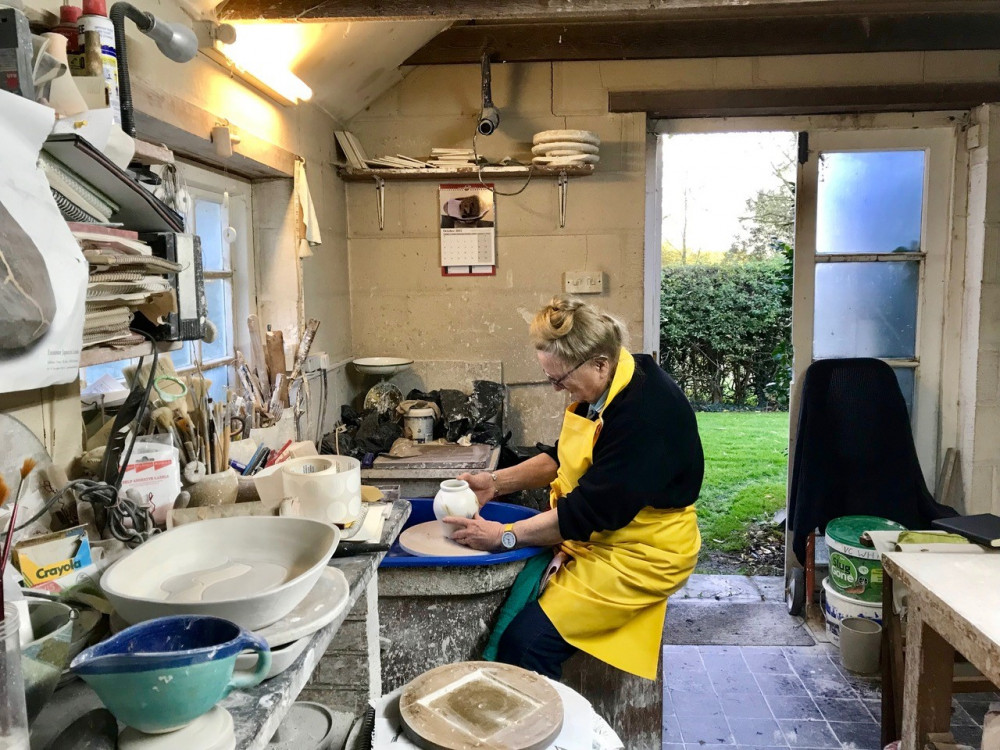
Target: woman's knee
point(532, 642)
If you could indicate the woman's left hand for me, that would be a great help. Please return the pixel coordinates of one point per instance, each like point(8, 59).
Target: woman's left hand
point(477, 533)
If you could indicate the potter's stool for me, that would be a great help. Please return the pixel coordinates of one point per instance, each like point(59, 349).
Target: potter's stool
point(632, 705)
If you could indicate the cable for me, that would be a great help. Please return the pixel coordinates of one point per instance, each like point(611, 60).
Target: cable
point(479, 171)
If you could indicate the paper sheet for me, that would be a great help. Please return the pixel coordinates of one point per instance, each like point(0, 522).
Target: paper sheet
point(54, 356)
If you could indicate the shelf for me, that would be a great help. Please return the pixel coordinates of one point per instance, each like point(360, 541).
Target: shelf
point(353, 174)
point(101, 355)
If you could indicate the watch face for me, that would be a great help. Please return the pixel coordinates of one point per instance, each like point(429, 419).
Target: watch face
point(508, 540)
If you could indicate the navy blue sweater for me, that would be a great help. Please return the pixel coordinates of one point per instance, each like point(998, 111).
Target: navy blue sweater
point(648, 454)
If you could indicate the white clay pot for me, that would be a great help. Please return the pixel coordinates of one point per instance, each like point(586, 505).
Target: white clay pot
point(455, 498)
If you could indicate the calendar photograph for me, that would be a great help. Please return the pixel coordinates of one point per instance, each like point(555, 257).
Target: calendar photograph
point(468, 230)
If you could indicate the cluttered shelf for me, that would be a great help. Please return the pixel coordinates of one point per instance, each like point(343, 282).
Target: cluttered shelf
point(355, 174)
point(103, 355)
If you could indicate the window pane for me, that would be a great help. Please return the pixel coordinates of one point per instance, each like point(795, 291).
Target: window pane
point(220, 381)
point(208, 225)
point(183, 357)
point(870, 202)
point(219, 312)
point(865, 310)
point(906, 376)
point(95, 372)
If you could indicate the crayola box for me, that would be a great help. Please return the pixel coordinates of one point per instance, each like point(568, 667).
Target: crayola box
point(54, 561)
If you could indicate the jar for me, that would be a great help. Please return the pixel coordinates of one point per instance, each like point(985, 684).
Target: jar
point(418, 424)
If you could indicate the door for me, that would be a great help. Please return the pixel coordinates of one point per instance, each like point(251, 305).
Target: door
point(873, 220)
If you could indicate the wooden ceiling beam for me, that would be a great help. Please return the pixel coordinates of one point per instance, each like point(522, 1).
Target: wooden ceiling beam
point(674, 105)
point(568, 10)
point(749, 37)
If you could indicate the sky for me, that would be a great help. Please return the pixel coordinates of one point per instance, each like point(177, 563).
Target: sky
point(719, 171)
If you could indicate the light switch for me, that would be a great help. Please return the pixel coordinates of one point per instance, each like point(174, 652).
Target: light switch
point(583, 282)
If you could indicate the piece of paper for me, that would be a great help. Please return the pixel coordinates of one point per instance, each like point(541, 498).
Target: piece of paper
point(42, 303)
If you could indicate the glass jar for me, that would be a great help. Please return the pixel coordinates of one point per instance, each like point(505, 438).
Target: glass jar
point(13, 712)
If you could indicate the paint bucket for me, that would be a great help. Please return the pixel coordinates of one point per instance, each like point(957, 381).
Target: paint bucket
point(418, 424)
point(855, 570)
point(837, 607)
point(860, 645)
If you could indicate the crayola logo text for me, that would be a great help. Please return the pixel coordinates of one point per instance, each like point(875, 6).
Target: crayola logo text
point(59, 570)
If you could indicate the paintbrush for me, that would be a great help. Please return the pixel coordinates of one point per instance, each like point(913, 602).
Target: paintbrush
point(26, 469)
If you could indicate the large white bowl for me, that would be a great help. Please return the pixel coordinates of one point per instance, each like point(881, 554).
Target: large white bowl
point(382, 365)
point(250, 570)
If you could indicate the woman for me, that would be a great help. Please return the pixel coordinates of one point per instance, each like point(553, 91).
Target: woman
point(623, 479)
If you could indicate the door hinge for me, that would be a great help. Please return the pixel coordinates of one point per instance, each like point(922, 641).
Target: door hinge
point(803, 147)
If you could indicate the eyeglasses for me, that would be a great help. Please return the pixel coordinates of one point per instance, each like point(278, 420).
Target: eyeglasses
point(557, 382)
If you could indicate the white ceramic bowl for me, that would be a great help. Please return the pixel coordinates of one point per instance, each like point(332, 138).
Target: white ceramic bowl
point(382, 365)
point(250, 570)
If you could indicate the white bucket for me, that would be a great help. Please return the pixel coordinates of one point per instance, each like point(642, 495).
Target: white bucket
point(836, 607)
point(418, 424)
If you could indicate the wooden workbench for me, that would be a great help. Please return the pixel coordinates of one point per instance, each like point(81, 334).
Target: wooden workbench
point(421, 476)
point(953, 605)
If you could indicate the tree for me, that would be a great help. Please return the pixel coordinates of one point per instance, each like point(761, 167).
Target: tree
point(769, 221)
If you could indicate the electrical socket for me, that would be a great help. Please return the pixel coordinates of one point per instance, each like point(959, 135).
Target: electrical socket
point(583, 282)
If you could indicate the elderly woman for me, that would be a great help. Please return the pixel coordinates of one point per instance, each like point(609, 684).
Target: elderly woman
point(623, 479)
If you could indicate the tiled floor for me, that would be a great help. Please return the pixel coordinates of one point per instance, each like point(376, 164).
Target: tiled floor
point(779, 697)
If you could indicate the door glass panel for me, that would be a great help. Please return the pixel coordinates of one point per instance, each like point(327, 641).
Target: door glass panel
point(870, 202)
point(208, 225)
point(865, 310)
point(219, 376)
point(219, 312)
point(906, 377)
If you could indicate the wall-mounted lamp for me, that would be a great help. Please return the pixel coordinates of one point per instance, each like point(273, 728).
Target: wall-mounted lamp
point(253, 54)
point(175, 41)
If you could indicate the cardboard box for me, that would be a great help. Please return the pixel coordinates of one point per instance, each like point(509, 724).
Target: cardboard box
point(55, 561)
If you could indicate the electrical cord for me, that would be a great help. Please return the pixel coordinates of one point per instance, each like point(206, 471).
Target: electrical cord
point(479, 171)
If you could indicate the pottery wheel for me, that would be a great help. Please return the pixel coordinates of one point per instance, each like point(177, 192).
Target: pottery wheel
point(480, 704)
point(430, 539)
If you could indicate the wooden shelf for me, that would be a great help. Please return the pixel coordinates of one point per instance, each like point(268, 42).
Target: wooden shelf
point(101, 355)
point(353, 174)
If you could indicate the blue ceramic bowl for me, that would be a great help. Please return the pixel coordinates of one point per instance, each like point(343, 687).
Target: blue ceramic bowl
point(162, 674)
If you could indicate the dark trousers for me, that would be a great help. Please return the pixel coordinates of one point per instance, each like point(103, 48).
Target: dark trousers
point(532, 642)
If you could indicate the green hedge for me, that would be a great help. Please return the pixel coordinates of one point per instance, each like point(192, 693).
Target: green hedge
point(725, 331)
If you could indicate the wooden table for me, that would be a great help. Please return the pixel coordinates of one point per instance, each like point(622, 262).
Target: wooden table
point(421, 476)
point(953, 605)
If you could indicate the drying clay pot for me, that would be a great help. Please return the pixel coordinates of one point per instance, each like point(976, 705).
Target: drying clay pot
point(455, 498)
point(214, 489)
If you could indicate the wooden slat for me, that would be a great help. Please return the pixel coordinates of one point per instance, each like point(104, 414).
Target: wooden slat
point(669, 39)
point(566, 10)
point(804, 101)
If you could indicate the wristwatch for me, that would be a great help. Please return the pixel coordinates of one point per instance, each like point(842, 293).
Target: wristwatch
point(508, 539)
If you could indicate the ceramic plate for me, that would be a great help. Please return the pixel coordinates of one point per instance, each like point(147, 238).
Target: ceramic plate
point(282, 657)
point(558, 161)
point(321, 606)
point(578, 147)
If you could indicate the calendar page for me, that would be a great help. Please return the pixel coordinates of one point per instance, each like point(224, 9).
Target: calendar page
point(468, 230)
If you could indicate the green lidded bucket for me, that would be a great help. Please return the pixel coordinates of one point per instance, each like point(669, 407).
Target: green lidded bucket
point(856, 570)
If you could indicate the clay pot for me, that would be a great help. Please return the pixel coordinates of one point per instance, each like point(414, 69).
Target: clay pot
point(214, 489)
point(455, 498)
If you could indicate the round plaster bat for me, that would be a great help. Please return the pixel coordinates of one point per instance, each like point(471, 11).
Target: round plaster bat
point(576, 147)
point(559, 136)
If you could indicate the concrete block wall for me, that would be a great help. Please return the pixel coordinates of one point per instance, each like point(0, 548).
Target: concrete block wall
point(400, 303)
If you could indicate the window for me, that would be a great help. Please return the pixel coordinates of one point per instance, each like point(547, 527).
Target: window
point(220, 216)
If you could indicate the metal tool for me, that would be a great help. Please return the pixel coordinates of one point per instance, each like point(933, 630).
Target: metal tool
point(563, 187)
point(380, 194)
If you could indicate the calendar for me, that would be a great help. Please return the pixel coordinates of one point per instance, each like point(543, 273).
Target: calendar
point(468, 230)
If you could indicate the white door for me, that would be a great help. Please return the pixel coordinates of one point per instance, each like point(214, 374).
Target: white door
point(873, 218)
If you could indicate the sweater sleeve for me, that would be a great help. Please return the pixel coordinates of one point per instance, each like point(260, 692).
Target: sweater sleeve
point(636, 464)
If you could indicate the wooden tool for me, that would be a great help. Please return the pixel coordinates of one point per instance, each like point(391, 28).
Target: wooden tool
point(257, 358)
point(480, 704)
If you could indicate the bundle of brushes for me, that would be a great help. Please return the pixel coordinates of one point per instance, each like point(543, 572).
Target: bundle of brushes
point(26, 469)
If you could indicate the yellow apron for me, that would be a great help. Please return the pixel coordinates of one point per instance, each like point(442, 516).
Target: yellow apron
point(610, 599)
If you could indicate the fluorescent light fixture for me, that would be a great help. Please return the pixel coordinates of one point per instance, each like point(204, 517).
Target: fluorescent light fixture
point(262, 55)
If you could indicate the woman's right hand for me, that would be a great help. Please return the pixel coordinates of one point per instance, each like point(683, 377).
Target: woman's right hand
point(482, 484)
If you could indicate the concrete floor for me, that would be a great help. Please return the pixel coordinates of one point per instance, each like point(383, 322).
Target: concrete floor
point(739, 672)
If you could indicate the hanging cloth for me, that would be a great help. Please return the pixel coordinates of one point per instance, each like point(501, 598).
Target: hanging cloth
point(311, 237)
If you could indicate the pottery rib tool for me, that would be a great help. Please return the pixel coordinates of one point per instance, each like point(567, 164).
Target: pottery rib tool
point(257, 358)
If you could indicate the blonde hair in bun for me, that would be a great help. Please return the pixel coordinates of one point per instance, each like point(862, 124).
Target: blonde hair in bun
point(576, 331)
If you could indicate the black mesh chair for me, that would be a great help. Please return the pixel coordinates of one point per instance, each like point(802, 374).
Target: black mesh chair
point(854, 455)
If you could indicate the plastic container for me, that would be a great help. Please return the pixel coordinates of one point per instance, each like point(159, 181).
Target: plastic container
point(97, 40)
point(418, 424)
point(837, 607)
point(860, 645)
point(856, 571)
point(13, 712)
point(68, 26)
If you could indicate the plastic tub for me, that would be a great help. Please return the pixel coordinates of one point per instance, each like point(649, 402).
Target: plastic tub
point(856, 571)
point(837, 607)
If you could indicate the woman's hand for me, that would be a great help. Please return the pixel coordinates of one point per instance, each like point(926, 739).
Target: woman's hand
point(477, 533)
point(482, 484)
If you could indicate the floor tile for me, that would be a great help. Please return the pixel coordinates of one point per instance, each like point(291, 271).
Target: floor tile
point(695, 704)
point(745, 706)
point(709, 747)
point(672, 746)
point(874, 708)
point(866, 688)
point(975, 710)
point(756, 732)
point(972, 736)
point(680, 657)
point(671, 730)
point(960, 717)
point(861, 735)
point(813, 734)
point(793, 707)
point(774, 663)
point(705, 730)
point(688, 681)
point(780, 684)
point(828, 686)
point(837, 709)
point(728, 683)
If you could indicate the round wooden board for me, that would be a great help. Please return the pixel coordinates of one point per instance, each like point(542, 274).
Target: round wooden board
point(558, 136)
point(430, 539)
point(480, 704)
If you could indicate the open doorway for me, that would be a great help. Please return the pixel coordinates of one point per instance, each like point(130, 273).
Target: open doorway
point(727, 221)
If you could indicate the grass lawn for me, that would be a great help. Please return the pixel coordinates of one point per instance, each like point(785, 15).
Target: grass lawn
point(746, 466)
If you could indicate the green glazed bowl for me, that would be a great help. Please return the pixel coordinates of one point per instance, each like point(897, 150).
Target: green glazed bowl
point(161, 675)
point(44, 659)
